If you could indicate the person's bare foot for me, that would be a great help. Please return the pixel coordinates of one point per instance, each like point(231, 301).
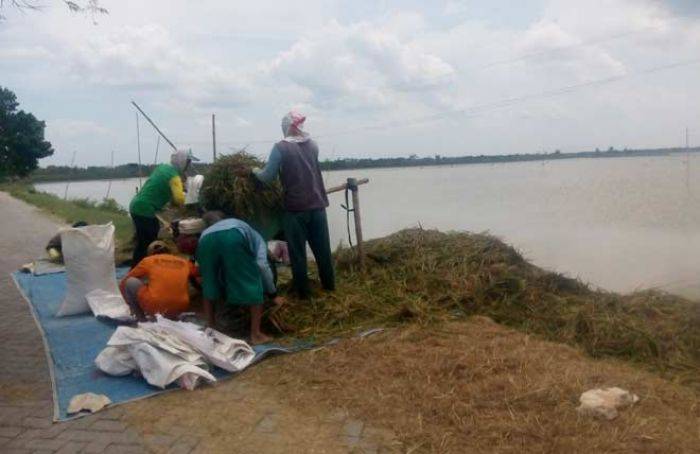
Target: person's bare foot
point(259, 338)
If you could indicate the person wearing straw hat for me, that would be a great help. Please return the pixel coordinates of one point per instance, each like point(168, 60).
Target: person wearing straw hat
point(158, 284)
point(295, 160)
point(163, 185)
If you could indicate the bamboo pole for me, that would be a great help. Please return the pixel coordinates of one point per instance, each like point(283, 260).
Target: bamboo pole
point(345, 186)
point(72, 163)
point(155, 159)
point(353, 186)
point(138, 147)
point(109, 185)
point(172, 145)
point(213, 135)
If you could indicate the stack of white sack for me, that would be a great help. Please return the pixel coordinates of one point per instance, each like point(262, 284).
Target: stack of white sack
point(166, 351)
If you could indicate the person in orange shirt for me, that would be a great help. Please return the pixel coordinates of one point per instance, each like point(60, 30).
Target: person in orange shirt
point(158, 284)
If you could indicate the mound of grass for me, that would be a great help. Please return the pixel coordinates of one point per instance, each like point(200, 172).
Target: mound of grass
point(425, 276)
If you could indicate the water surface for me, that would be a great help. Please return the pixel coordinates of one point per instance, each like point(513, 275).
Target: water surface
point(619, 223)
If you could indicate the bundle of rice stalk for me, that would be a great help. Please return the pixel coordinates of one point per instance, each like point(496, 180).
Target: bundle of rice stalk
point(231, 187)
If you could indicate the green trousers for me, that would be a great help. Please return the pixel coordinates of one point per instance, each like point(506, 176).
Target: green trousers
point(228, 269)
point(310, 226)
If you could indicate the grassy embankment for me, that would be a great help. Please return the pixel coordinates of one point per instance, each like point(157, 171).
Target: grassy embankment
point(72, 211)
point(426, 277)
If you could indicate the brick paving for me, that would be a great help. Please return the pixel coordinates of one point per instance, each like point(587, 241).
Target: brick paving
point(26, 402)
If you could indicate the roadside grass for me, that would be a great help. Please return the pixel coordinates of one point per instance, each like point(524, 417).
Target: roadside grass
point(79, 210)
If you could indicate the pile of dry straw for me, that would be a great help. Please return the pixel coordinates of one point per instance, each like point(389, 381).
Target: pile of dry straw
point(426, 276)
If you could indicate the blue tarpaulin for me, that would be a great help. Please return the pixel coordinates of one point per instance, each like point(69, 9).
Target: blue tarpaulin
point(73, 342)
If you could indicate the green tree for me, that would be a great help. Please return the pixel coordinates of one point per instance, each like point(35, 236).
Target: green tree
point(22, 141)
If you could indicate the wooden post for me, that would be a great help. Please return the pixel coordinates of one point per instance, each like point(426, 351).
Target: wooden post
point(213, 134)
point(352, 185)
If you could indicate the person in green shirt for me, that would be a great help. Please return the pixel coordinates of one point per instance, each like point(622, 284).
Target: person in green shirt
point(163, 185)
point(232, 260)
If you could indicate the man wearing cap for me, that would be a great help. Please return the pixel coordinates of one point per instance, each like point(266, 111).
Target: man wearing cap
point(163, 186)
point(295, 160)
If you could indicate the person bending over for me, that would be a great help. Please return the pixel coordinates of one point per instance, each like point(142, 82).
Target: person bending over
point(232, 259)
point(158, 284)
point(54, 248)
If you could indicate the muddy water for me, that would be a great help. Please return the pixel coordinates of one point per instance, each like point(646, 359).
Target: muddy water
point(621, 224)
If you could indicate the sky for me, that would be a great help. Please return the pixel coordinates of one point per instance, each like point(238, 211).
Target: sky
point(375, 78)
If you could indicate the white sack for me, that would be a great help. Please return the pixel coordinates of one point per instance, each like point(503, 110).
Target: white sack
point(160, 368)
point(189, 381)
point(109, 305)
point(88, 253)
point(168, 351)
point(220, 350)
point(126, 336)
point(116, 361)
point(193, 186)
point(604, 403)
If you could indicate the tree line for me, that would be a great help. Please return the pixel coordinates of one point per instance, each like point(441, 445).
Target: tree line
point(22, 144)
point(132, 170)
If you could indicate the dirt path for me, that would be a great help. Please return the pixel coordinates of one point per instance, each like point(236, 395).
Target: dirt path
point(238, 415)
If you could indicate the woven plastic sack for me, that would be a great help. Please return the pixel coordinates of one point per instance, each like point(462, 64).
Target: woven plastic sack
point(109, 305)
point(88, 253)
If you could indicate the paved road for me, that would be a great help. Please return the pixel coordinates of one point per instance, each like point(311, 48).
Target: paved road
point(26, 403)
point(259, 421)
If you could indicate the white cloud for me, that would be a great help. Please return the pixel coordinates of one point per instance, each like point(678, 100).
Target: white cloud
point(24, 53)
point(367, 64)
point(362, 65)
point(67, 128)
point(148, 58)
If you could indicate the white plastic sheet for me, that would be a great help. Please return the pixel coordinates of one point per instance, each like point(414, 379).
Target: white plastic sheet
point(109, 305)
point(147, 333)
point(116, 361)
point(220, 350)
point(166, 351)
point(88, 253)
point(160, 368)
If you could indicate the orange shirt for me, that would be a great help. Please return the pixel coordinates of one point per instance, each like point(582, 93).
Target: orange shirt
point(166, 291)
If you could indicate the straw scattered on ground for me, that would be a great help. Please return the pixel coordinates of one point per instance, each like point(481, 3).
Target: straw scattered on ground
point(426, 276)
point(476, 386)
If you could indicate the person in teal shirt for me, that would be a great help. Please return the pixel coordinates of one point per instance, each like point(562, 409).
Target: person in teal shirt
point(232, 260)
point(163, 185)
